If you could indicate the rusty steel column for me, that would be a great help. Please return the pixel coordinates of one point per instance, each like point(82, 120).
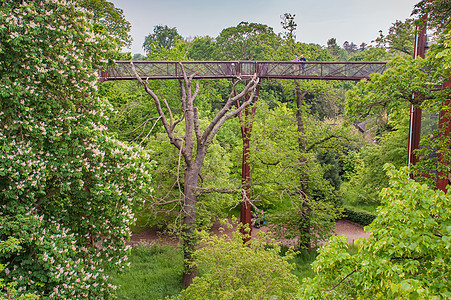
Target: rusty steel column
point(415, 112)
point(414, 134)
point(445, 126)
point(246, 131)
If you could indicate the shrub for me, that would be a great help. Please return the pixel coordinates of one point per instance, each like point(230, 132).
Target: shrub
point(359, 216)
point(405, 257)
point(233, 270)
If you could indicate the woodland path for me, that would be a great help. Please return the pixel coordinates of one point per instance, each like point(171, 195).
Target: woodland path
point(351, 230)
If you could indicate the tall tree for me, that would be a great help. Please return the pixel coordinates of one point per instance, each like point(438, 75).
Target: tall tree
point(193, 147)
point(400, 37)
point(438, 12)
point(300, 90)
point(349, 47)
point(162, 37)
point(363, 46)
point(281, 171)
point(289, 26)
point(66, 185)
point(333, 47)
point(247, 41)
point(202, 48)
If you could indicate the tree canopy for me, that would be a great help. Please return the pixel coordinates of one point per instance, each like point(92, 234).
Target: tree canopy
point(406, 254)
point(162, 37)
point(66, 185)
point(111, 18)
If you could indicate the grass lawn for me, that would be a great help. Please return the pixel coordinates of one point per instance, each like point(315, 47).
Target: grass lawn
point(155, 272)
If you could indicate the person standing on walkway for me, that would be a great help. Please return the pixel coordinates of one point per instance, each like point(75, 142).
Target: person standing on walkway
point(296, 67)
point(304, 68)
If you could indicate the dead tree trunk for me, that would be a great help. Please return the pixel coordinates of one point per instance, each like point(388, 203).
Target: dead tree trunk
point(189, 223)
point(193, 147)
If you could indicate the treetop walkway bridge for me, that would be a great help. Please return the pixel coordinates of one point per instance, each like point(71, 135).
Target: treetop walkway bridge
point(321, 70)
point(324, 70)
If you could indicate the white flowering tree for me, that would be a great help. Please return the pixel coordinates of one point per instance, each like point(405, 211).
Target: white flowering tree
point(66, 186)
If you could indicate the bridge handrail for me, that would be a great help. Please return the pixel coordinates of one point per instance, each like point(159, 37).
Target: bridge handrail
point(326, 70)
point(251, 61)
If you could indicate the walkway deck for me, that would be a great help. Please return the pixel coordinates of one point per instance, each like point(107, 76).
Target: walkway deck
point(322, 70)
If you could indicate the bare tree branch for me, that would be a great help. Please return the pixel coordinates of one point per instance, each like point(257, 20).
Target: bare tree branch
point(161, 203)
point(219, 116)
point(216, 124)
point(150, 131)
point(142, 124)
point(183, 95)
point(170, 113)
point(189, 115)
point(172, 138)
point(178, 121)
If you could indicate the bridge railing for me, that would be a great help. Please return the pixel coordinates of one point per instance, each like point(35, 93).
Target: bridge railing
point(325, 70)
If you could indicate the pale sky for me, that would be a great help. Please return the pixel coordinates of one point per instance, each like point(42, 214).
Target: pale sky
point(318, 20)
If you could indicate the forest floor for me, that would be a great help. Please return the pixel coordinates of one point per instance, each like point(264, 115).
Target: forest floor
point(351, 230)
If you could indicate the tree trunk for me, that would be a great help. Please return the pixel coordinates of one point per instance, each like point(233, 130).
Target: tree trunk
point(189, 213)
point(189, 224)
point(304, 221)
point(186, 147)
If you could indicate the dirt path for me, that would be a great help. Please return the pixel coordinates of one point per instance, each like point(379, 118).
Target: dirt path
point(351, 230)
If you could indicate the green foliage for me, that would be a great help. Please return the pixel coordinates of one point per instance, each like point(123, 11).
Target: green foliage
point(438, 12)
point(178, 52)
point(389, 93)
point(202, 48)
point(66, 186)
point(400, 37)
point(231, 269)
point(358, 216)
point(282, 169)
point(331, 167)
point(367, 179)
point(372, 54)
point(247, 41)
point(110, 18)
point(389, 96)
point(303, 263)
point(312, 52)
point(440, 54)
point(162, 37)
point(11, 246)
point(406, 255)
point(155, 272)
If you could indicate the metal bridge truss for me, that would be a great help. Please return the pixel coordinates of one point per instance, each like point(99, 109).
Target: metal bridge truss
point(324, 70)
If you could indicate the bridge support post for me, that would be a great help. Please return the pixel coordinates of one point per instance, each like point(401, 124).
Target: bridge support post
point(443, 152)
point(246, 131)
point(415, 111)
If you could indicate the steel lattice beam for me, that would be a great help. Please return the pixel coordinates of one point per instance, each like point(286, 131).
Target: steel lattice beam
point(323, 70)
